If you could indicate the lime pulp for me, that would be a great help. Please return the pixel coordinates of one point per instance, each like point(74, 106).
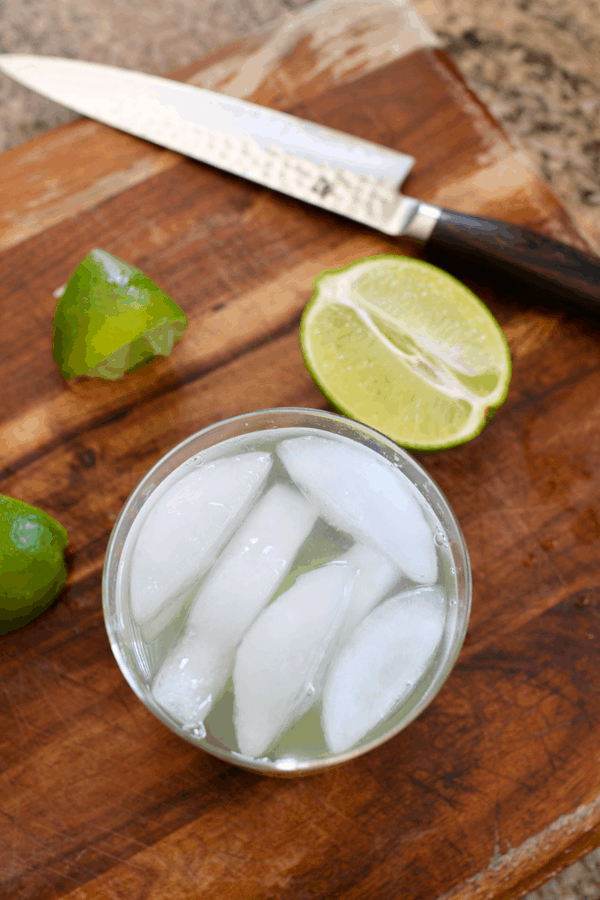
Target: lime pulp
point(404, 347)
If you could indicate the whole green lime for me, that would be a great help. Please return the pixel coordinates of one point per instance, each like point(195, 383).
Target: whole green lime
point(32, 566)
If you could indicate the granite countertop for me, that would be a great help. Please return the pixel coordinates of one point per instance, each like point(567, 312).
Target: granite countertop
point(535, 63)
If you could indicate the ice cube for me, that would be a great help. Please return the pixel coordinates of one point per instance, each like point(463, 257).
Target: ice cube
point(188, 525)
point(380, 664)
point(243, 580)
point(281, 653)
point(361, 494)
point(375, 576)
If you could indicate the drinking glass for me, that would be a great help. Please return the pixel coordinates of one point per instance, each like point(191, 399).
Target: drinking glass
point(138, 657)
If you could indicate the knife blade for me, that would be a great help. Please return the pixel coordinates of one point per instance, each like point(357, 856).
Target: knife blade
point(335, 171)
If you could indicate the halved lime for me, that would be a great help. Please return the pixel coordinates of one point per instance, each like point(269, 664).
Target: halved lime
point(32, 566)
point(112, 318)
point(402, 346)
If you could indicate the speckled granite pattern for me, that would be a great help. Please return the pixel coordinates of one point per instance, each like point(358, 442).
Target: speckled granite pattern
point(579, 882)
point(535, 63)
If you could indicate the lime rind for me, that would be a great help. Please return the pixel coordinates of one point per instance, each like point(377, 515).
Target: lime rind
point(112, 318)
point(32, 567)
point(406, 348)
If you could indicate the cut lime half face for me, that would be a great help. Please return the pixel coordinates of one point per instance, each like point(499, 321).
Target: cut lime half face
point(32, 567)
point(111, 319)
point(402, 346)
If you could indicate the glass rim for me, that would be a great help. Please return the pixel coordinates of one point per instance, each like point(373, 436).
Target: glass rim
point(140, 495)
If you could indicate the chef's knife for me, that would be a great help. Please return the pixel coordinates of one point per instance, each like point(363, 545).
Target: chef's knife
point(335, 171)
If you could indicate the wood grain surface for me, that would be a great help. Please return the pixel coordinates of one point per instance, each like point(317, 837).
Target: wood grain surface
point(497, 784)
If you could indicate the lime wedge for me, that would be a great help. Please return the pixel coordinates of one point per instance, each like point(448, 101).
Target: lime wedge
point(32, 567)
point(112, 318)
point(402, 346)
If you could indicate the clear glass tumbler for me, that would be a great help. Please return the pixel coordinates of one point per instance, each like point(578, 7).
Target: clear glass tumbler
point(140, 654)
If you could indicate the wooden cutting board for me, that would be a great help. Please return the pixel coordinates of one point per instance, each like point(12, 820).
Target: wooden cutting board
point(497, 784)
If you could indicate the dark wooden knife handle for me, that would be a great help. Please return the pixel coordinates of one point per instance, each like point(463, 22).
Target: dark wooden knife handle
point(544, 263)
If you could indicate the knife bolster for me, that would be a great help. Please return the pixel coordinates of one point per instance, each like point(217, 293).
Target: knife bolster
point(422, 223)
